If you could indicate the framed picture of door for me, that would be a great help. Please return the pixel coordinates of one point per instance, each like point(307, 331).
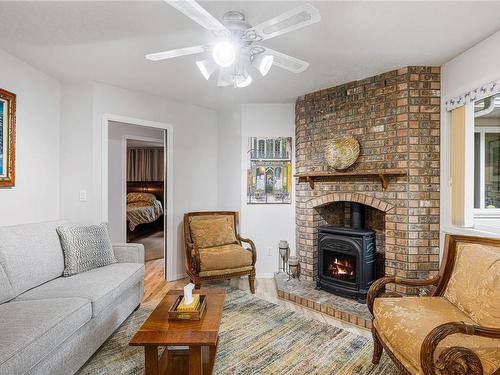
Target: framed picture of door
point(7, 138)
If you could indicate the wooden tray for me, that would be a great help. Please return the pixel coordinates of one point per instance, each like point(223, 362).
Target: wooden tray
point(173, 314)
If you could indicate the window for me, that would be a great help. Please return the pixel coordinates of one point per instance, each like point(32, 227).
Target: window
point(487, 168)
point(262, 149)
point(270, 149)
point(487, 158)
point(277, 148)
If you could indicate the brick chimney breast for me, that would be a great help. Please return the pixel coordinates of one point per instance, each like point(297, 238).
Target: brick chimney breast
point(395, 116)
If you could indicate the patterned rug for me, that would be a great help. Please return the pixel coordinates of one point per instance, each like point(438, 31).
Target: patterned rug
point(256, 337)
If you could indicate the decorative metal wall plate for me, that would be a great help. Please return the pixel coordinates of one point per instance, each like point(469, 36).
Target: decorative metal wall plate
point(342, 153)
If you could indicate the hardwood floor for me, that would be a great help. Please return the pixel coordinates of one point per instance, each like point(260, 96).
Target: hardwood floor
point(155, 288)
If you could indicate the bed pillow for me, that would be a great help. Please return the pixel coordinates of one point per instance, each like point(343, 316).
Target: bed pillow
point(85, 248)
point(140, 197)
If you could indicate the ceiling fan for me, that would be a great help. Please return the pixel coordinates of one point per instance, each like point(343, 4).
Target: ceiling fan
point(235, 49)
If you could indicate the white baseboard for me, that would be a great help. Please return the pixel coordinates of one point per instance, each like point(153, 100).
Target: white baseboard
point(265, 275)
point(179, 276)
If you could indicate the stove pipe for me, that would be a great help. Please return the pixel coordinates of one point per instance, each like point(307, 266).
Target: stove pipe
point(357, 216)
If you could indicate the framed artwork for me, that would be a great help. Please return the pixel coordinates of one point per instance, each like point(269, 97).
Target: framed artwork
point(269, 179)
point(7, 138)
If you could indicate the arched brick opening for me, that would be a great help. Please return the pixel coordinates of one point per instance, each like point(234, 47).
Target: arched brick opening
point(313, 215)
point(351, 197)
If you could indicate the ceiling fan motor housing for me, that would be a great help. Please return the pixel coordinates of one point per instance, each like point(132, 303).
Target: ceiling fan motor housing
point(236, 23)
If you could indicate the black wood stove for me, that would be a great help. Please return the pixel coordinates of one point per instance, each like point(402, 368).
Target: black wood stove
point(346, 257)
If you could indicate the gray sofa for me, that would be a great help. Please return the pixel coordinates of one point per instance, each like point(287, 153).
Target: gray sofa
point(51, 324)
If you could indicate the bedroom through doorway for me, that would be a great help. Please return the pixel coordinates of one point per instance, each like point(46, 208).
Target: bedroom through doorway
point(137, 187)
point(144, 196)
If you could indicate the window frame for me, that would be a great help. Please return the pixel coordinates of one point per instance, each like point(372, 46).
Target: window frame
point(482, 212)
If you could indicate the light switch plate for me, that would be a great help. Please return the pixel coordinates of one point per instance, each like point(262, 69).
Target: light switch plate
point(83, 195)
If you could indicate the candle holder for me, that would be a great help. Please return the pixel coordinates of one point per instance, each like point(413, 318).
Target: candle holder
point(293, 268)
point(284, 252)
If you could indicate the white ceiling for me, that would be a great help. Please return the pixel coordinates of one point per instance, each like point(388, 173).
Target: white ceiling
point(106, 41)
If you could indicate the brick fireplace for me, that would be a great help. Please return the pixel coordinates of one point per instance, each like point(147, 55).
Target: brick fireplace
point(395, 117)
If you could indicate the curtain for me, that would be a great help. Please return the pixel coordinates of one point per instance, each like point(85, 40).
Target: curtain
point(145, 164)
point(462, 165)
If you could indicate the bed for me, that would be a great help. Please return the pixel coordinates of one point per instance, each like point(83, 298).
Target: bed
point(142, 208)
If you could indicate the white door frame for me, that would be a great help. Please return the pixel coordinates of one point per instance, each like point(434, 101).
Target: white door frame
point(125, 139)
point(169, 222)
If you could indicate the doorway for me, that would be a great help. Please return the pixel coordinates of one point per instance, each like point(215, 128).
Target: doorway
point(136, 186)
point(145, 190)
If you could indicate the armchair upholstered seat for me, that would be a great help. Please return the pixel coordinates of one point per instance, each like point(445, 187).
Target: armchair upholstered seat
point(214, 248)
point(454, 331)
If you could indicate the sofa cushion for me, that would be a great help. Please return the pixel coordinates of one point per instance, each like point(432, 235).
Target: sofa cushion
point(405, 322)
point(474, 285)
point(224, 257)
point(101, 285)
point(31, 254)
point(85, 248)
point(212, 230)
point(30, 330)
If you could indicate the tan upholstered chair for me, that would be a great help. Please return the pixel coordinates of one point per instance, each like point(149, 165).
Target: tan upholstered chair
point(456, 330)
point(214, 248)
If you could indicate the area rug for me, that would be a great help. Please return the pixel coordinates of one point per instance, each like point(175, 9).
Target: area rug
point(256, 337)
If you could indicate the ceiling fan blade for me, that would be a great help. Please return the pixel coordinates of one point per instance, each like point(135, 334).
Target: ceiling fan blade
point(175, 53)
point(294, 19)
point(286, 62)
point(198, 14)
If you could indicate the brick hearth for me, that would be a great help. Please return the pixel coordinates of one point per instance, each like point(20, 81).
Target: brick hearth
point(395, 117)
point(303, 293)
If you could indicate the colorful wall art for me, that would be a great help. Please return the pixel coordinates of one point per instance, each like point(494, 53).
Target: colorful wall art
point(269, 178)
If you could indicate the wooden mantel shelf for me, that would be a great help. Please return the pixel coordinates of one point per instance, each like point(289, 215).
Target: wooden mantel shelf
point(382, 174)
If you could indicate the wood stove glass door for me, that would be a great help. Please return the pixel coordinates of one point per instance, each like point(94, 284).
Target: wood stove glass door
point(339, 266)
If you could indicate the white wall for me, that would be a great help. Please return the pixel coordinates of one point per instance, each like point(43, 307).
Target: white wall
point(76, 153)
point(469, 70)
point(229, 158)
point(35, 196)
point(266, 224)
point(472, 68)
point(195, 164)
point(117, 149)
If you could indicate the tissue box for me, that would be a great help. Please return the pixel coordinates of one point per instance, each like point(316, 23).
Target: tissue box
point(193, 306)
point(193, 314)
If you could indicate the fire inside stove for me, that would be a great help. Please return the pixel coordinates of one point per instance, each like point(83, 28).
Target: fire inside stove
point(342, 267)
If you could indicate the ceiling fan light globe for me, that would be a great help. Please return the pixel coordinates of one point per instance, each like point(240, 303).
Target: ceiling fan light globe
point(224, 54)
point(263, 63)
point(207, 67)
point(243, 81)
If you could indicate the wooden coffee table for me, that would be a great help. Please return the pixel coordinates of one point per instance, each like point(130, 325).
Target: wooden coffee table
point(201, 337)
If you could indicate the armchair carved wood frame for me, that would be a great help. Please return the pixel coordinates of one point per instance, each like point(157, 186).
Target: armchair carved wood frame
point(192, 254)
point(454, 360)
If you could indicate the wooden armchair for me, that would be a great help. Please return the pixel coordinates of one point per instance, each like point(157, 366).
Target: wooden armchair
point(454, 331)
point(214, 249)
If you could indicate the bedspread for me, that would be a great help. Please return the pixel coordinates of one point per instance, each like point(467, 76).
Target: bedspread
point(143, 212)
